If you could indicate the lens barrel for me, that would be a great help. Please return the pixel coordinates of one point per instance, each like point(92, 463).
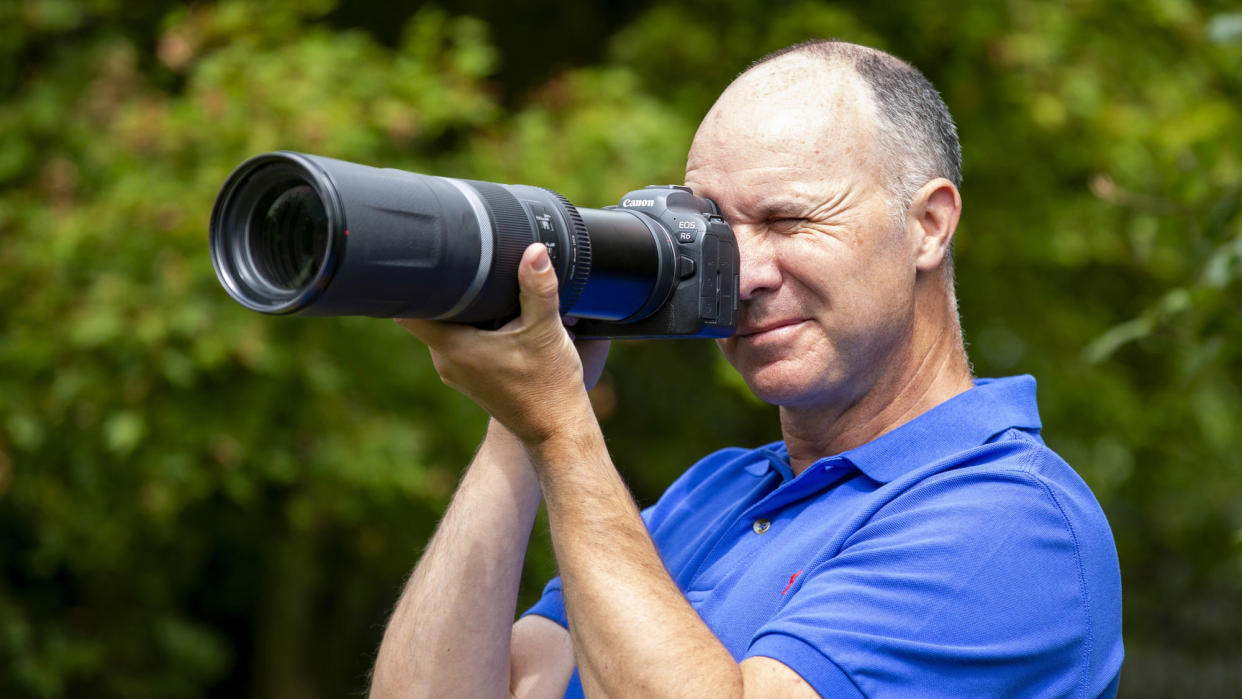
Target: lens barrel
point(293, 233)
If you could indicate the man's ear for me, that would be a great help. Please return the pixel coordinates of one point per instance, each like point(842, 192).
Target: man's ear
point(932, 220)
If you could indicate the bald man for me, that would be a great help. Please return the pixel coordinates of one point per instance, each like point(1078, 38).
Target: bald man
point(910, 535)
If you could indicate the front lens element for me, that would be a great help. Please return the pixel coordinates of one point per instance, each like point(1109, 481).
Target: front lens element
point(289, 236)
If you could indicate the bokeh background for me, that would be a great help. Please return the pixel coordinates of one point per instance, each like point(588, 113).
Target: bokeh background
point(196, 500)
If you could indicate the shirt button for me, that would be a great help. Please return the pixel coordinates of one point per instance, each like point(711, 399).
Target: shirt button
point(761, 525)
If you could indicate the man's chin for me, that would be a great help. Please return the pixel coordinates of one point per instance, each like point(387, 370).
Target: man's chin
point(776, 387)
point(773, 377)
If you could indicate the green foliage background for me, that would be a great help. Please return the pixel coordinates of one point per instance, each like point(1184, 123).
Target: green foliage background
point(197, 500)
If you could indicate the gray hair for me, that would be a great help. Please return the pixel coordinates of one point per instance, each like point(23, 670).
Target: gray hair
point(916, 136)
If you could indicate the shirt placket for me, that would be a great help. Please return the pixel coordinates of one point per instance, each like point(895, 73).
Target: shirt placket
point(758, 524)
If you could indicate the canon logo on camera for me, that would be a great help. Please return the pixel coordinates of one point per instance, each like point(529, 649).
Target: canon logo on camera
point(638, 202)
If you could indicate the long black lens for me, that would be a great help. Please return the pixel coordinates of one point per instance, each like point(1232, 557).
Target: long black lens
point(298, 233)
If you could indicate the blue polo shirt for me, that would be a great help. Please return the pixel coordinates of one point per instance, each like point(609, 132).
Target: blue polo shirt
point(953, 556)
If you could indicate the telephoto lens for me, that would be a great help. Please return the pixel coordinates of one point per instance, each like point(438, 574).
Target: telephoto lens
point(293, 233)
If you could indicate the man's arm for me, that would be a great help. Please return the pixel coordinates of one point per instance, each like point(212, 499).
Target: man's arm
point(633, 632)
point(542, 659)
point(450, 632)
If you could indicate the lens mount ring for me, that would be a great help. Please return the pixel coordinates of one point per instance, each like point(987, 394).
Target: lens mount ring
point(247, 262)
point(666, 262)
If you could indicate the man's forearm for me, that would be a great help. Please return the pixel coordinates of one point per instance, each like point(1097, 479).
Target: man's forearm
point(449, 635)
point(634, 632)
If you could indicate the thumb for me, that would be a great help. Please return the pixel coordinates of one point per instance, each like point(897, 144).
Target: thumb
point(538, 286)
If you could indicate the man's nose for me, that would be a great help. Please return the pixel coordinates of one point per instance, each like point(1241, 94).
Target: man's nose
point(759, 269)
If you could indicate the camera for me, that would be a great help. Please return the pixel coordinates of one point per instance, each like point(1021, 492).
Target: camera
point(293, 233)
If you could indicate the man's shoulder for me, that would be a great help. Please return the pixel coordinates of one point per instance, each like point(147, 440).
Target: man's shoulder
point(1017, 454)
point(1016, 477)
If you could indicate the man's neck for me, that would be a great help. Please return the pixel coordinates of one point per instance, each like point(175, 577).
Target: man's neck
point(932, 370)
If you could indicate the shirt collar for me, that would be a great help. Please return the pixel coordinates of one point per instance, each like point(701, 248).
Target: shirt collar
point(775, 457)
point(966, 420)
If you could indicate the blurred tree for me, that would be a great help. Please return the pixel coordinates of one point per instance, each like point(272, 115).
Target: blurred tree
point(195, 499)
point(187, 482)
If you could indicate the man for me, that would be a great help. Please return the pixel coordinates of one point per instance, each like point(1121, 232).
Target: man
point(910, 535)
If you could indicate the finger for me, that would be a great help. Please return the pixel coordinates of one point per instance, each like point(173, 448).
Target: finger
point(538, 287)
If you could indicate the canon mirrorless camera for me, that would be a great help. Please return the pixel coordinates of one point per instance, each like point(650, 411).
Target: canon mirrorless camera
point(304, 234)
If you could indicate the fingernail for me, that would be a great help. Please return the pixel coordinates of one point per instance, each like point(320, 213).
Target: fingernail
point(542, 263)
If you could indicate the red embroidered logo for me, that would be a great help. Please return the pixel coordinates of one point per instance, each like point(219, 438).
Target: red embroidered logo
point(791, 579)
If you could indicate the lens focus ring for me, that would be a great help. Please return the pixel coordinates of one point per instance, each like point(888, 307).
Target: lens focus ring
point(580, 260)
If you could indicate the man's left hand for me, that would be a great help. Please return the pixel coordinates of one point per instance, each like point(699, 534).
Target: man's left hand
point(528, 374)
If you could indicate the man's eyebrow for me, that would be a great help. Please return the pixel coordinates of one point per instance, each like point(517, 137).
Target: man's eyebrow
point(781, 208)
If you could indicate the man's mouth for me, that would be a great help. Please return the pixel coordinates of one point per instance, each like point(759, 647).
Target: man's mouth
point(751, 330)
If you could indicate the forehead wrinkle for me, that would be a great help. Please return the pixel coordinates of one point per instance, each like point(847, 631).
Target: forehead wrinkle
point(816, 204)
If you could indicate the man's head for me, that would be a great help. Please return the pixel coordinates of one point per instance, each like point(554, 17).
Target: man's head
point(837, 166)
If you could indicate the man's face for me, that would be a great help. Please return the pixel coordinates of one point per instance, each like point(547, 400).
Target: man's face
point(827, 276)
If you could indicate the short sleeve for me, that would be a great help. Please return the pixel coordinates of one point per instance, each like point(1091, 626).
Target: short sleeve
point(968, 584)
point(551, 604)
